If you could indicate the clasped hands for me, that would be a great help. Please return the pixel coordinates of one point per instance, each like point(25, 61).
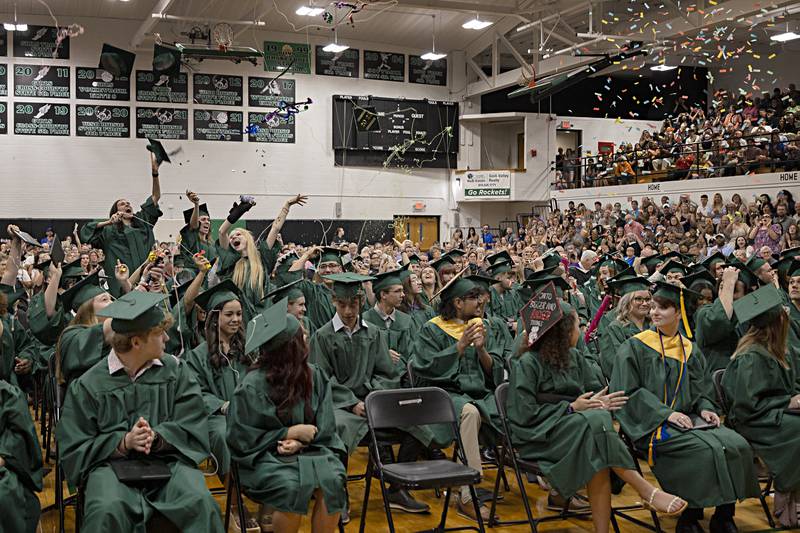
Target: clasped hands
point(600, 400)
point(297, 438)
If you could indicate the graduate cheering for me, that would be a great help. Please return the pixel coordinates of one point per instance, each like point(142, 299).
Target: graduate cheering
point(664, 375)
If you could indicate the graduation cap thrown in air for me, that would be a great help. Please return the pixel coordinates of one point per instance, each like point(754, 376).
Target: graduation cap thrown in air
point(116, 61)
point(158, 150)
point(166, 60)
point(27, 238)
point(83, 291)
point(202, 211)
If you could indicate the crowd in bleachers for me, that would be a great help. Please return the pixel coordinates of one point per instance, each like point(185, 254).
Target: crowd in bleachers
point(738, 135)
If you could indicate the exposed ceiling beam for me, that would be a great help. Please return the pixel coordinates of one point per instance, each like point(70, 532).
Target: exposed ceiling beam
point(521, 60)
point(461, 6)
point(481, 74)
point(160, 8)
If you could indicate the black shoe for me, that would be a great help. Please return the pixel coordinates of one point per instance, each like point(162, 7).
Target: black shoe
point(688, 526)
point(487, 455)
point(722, 525)
point(401, 500)
point(485, 496)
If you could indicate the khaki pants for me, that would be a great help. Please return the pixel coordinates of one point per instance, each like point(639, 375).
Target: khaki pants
point(470, 427)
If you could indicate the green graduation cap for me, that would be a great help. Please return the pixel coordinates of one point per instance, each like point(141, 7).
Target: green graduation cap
point(627, 285)
point(116, 61)
point(202, 210)
point(501, 267)
point(457, 287)
point(701, 278)
point(72, 269)
point(455, 253)
point(290, 291)
point(677, 256)
point(652, 262)
point(481, 281)
point(135, 312)
point(443, 262)
point(754, 263)
point(764, 300)
point(331, 255)
point(611, 262)
point(177, 292)
point(385, 280)
point(500, 256)
point(537, 282)
point(628, 273)
point(680, 297)
point(783, 265)
point(552, 259)
point(271, 329)
point(166, 60)
point(282, 274)
point(218, 295)
point(158, 150)
point(794, 268)
point(348, 284)
point(746, 276)
point(82, 292)
point(791, 252)
point(414, 259)
point(713, 259)
point(675, 266)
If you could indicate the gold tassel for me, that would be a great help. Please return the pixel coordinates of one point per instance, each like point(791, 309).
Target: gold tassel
point(685, 318)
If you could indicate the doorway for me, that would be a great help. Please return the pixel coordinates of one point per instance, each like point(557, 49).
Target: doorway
point(422, 231)
point(569, 144)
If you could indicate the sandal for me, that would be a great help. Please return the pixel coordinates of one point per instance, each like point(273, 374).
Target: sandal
point(649, 504)
point(251, 525)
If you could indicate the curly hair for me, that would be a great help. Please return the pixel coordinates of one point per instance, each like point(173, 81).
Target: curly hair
point(448, 307)
point(553, 347)
point(288, 376)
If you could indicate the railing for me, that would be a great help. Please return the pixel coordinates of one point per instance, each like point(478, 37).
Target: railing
point(587, 172)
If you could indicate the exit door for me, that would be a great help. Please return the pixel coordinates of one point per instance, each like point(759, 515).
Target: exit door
point(422, 231)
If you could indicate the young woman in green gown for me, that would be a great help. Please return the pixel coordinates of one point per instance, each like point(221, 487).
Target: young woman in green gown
point(282, 430)
point(631, 318)
point(573, 439)
point(413, 302)
point(664, 375)
point(761, 388)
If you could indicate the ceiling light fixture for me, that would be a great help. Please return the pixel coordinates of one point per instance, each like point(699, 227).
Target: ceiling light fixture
point(15, 26)
point(663, 68)
point(476, 23)
point(785, 37)
point(335, 47)
point(432, 55)
point(309, 11)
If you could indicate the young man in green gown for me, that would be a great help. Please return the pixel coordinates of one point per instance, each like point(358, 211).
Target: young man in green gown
point(138, 403)
point(385, 315)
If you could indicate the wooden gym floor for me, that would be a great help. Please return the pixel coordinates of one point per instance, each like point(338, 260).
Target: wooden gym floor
point(749, 515)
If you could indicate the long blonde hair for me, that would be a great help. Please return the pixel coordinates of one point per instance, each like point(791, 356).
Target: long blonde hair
point(769, 330)
point(256, 277)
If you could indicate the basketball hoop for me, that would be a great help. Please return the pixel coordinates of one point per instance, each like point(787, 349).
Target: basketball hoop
point(222, 35)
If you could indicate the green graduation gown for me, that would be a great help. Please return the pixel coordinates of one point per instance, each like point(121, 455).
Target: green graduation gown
point(758, 390)
point(100, 408)
point(46, 330)
point(609, 342)
point(705, 467)
point(319, 302)
point(400, 335)
point(130, 245)
point(80, 348)
point(252, 298)
point(190, 245)
point(217, 386)
point(570, 448)
point(280, 481)
point(505, 306)
point(438, 364)
point(355, 366)
point(420, 315)
point(21, 477)
point(716, 334)
point(13, 342)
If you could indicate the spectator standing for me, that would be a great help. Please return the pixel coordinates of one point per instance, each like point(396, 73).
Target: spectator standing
point(486, 236)
point(766, 234)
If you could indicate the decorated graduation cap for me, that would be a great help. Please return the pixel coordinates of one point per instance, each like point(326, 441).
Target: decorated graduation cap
point(135, 312)
point(677, 295)
point(543, 311)
point(290, 291)
point(202, 211)
point(331, 254)
point(218, 295)
point(500, 256)
point(282, 274)
point(628, 285)
point(116, 61)
point(385, 280)
point(699, 279)
point(348, 284)
point(158, 150)
point(271, 329)
point(675, 266)
point(82, 292)
point(166, 60)
point(765, 301)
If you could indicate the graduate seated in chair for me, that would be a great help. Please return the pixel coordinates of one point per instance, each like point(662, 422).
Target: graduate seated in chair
point(455, 352)
point(20, 462)
point(760, 385)
point(670, 416)
point(282, 429)
point(138, 409)
point(385, 315)
point(355, 356)
point(560, 416)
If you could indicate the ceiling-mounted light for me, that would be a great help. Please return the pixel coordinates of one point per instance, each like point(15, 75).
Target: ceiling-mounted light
point(432, 55)
point(15, 26)
point(476, 24)
point(309, 11)
point(663, 68)
point(785, 37)
point(335, 47)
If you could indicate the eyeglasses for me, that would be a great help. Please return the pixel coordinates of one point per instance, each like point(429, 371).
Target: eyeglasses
point(642, 300)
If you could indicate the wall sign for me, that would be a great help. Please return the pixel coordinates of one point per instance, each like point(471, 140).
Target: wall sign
point(3, 79)
point(103, 121)
point(41, 81)
point(276, 130)
point(343, 64)
point(3, 42)
point(217, 89)
point(216, 125)
point(97, 84)
point(40, 41)
point(384, 66)
point(279, 55)
point(153, 87)
point(427, 72)
point(162, 123)
point(484, 184)
point(267, 92)
point(3, 118)
point(37, 118)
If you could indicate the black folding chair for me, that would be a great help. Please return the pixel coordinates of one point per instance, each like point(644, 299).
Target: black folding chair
point(722, 400)
point(399, 408)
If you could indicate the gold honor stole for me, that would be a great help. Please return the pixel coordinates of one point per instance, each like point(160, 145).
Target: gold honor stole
point(454, 328)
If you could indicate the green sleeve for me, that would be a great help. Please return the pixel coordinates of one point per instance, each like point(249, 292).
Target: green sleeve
point(269, 256)
point(197, 361)
point(610, 341)
point(751, 385)
point(700, 383)
point(437, 360)
point(253, 424)
point(530, 420)
point(385, 375)
point(80, 345)
point(591, 376)
point(712, 325)
point(150, 211)
point(644, 412)
point(19, 444)
point(343, 397)
point(43, 328)
point(325, 420)
point(93, 235)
